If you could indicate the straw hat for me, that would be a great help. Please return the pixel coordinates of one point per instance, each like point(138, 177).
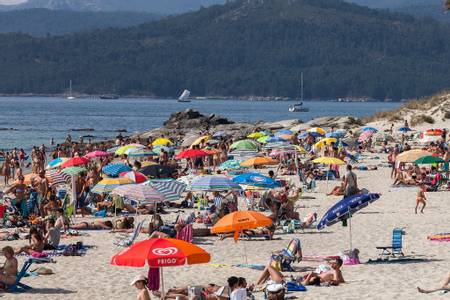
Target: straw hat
point(138, 278)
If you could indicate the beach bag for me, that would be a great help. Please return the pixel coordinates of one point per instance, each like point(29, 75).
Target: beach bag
point(293, 286)
point(70, 250)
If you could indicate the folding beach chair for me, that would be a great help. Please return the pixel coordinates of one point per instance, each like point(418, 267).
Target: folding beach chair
point(18, 287)
point(397, 244)
point(290, 254)
point(128, 240)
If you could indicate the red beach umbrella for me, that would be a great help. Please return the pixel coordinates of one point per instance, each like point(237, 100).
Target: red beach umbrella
point(137, 177)
point(95, 154)
point(75, 161)
point(190, 153)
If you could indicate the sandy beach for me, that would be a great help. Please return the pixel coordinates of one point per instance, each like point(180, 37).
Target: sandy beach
point(92, 276)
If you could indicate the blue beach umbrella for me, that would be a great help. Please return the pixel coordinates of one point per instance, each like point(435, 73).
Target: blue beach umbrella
point(372, 129)
point(56, 162)
point(256, 179)
point(404, 129)
point(306, 134)
point(335, 134)
point(275, 139)
point(345, 208)
point(213, 183)
point(284, 131)
point(113, 170)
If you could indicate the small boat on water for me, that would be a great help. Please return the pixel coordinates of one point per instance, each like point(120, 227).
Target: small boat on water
point(184, 96)
point(109, 97)
point(298, 107)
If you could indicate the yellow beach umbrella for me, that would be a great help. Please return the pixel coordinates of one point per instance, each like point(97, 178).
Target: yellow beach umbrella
point(255, 135)
point(124, 149)
point(200, 140)
point(318, 130)
point(259, 161)
point(162, 142)
point(325, 160)
point(300, 149)
point(412, 155)
point(325, 141)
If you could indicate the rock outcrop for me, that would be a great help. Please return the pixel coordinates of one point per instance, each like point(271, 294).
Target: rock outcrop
point(193, 119)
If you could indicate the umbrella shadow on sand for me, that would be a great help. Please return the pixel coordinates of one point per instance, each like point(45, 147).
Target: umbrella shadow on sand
point(51, 291)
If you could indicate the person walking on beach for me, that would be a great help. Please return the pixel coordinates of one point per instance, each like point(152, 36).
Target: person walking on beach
point(421, 199)
point(350, 182)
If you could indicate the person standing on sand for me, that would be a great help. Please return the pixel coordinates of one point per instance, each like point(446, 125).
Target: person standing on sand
point(350, 182)
point(41, 186)
point(421, 199)
point(6, 168)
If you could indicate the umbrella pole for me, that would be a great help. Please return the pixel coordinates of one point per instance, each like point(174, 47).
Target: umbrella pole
point(74, 195)
point(162, 283)
point(350, 229)
point(245, 252)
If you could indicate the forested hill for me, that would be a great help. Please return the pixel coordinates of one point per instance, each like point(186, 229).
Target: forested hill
point(42, 22)
point(243, 48)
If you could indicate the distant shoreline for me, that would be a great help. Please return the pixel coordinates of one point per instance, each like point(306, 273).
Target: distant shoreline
point(239, 98)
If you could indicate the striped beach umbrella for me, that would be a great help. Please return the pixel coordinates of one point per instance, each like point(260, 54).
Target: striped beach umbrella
point(171, 189)
point(213, 183)
point(142, 153)
point(317, 130)
point(231, 164)
point(57, 162)
point(73, 171)
point(141, 193)
point(113, 170)
point(56, 177)
point(75, 161)
point(368, 128)
point(243, 154)
point(137, 177)
point(108, 184)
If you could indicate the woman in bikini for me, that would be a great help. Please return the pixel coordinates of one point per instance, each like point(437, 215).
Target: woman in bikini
point(36, 243)
point(421, 199)
point(9, 270)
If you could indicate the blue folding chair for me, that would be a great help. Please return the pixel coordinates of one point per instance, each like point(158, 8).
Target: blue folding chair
point(18, 287)
point(397, 244)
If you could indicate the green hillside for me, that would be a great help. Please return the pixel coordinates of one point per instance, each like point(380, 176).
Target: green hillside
point(242, 48)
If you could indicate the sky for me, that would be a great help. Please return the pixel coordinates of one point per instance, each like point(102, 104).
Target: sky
point(10, 2)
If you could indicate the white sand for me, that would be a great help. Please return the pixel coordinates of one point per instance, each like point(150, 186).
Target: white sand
point(92, 276)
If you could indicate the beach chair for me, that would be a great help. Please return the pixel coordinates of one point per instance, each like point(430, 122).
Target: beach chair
point(290, 254)
point(128, 240)
point(397, 244)
point(18, 287)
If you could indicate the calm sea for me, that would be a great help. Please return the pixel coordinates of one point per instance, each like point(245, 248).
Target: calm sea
point(25, 122)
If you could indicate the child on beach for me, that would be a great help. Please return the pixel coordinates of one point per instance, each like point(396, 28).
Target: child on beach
point(421, 199)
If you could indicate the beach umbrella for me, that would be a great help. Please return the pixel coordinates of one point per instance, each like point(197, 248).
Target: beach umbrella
point(186, 180)
point(108, 184)
point(435, 132)
point(371, 129)
point(212, 151)
point(412, 155)
point(213, 183)
point(56, 177)
point(171, 189)
point(231, 164)
point(200, 140)
point(57, 162)
point(162, 142)
point(335, 134)
point(136, 177)
point(345, 208)
point(318, 130)
point(304, 135)
point(123, 149)
point(75, 161)
point(243, 154)
point(239, 221)
point(132, 150)
point(142, 153)
point(274, 139)
point(141, 193)
point(113, 170)
point(256, 135)
point(95, 154)
point(325, 141)
point(191, 153)
point(284, 132)
point(259, 161)
point(160, 253)
point(73, 171)
point(324, 160)
point(428, 160)
point(112, 150)
point(157, 149)
point(256, 179)
point(244, 145)
point(148, 163)
point(219, 134)
point(365, 135)
point(404, 129)
point(263, 139)
point(280, 152)
point(158, 171)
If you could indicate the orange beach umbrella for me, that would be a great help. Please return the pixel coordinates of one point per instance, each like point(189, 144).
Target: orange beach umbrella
point(239, 221)
point(259, 161)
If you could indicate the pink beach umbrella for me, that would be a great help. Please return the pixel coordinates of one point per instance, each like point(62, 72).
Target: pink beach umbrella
point(95, 154)
point(365, 135)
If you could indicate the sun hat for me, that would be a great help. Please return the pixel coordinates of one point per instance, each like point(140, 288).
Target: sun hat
point(138, 278)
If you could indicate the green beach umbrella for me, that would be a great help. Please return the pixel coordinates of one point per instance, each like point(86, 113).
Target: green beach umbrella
point(244, 145)
point(74, 171)
point(231, 164)
point(263, 140)
point(429, 159)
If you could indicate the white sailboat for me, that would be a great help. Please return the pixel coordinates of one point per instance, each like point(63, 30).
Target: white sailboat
point(185, 96)
point(70, 97)
point(298, 107)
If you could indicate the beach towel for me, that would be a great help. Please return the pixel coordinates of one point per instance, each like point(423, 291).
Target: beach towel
point(293, 286)
point(440, 237)
point(153, 279)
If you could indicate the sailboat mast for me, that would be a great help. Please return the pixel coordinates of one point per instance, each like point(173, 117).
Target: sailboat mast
point(301, 83)
point(70, 88)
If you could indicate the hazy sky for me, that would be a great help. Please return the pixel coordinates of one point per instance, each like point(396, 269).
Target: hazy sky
point(9, 2)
